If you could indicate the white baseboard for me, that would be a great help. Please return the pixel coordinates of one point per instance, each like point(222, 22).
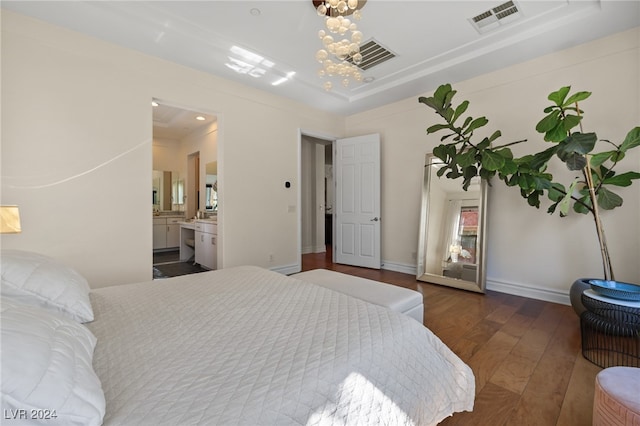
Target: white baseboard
point(318, 249)
point(399, 267)
point(516, 289)
point(524, 290)
point(287, 269)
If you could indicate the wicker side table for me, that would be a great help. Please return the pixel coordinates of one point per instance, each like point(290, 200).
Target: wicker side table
point(610, 331)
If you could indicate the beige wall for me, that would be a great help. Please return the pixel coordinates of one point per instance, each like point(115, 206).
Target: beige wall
point(530, 253)
point(77, 153)
point(77, 157)
point(167, 156)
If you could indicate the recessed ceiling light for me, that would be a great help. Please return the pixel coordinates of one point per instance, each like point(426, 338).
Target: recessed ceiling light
point(200, 118)
point(154, 103)
point(255, 11)
point(368, 79)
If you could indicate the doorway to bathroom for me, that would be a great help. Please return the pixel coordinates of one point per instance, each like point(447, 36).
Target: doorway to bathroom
point(185, 143)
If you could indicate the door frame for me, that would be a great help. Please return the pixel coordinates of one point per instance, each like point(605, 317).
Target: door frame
point(318, 135)
point(219, 157)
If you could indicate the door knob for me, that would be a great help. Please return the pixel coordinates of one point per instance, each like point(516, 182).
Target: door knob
point(375, 219)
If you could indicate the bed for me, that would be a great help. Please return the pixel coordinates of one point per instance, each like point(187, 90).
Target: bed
point(248, 346)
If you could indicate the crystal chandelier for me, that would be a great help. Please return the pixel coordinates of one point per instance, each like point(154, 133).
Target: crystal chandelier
point(341, 40)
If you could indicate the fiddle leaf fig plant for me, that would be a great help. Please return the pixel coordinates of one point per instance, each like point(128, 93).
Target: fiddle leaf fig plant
point(466, 157)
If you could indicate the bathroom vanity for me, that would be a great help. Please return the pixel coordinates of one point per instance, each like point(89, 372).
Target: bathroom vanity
point(198, 239)
point(166, 231)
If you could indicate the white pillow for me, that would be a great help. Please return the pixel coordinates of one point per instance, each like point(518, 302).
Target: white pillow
point(38, 280)
point(47, 372)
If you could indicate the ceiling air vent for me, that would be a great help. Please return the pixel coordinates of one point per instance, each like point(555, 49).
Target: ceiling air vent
point(373, 54)
point(493, 18)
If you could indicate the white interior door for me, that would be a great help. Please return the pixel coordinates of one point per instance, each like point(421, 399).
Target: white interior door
point(357, 201)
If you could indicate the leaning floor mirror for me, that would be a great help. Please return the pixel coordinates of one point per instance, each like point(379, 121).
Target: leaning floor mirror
point(451, 249)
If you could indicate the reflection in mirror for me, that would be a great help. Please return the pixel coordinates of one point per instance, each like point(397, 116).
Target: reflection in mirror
point(168, 190)
point(211, 186)
point(452, 231)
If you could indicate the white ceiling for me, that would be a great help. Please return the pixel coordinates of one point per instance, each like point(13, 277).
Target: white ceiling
point(175, 123)
point(434, 41)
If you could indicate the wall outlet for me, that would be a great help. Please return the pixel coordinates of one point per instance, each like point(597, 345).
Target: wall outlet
point(271, 257)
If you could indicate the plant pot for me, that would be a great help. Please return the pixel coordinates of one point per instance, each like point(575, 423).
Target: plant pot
point(617, 290)
point(575, 294)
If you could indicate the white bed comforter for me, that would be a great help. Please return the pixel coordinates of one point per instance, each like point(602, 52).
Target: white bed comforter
point(247, 346)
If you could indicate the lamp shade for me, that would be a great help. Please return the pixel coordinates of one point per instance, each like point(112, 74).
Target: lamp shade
point(9, 220)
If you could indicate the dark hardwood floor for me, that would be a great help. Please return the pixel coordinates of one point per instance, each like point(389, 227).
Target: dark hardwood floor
point(525, 353)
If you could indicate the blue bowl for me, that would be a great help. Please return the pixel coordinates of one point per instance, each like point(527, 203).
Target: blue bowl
point(616, 289)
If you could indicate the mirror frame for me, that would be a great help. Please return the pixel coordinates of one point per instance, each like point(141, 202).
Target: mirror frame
point(480, 283)
point(167, 191)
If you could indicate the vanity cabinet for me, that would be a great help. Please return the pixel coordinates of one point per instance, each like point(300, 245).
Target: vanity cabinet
point(166, 232)
point(206, 236)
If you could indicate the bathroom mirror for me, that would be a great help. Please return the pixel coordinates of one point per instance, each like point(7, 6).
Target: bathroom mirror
point(451, 248)
point(168, 190)
point(211, 187)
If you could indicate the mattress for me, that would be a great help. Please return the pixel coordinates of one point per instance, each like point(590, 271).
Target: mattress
point(248, 346)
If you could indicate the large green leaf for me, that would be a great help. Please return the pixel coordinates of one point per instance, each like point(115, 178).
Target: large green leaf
point(581, 143)
point(617, 156)
point(525, 182)
point(541, 182)
point(495, 135)
point(475, 124)
point(436, 128)
point(440, 151)
point(447, 101)
point(624, 179)
point(571, 121)
point(540, 159)
point(577, 97)
point(603, 173)
point(451, 152)
point(608, 200)
point(487, 174)
point(448, 114)
point(442, 93)
point(468, 173)
point(484, 144)
point(505, 153)
point(454, 173)
point(509, 168)
point(573, 160)
point(534, 199)
point(565, 202)
point(599, 158)
point(583, 206)
point(467, 158)
point(491, 160)
point(548, 122)
point(430, 102)
point(559, 96)
point(556, 192)
point(557, 134)
point(460, 110)
point(632, 140)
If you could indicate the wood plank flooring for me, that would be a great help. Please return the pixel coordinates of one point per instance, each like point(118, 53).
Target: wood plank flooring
point(525, 353)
